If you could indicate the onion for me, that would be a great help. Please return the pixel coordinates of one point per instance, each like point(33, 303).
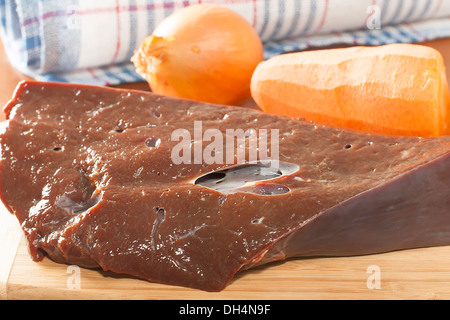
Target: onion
point(203, 52)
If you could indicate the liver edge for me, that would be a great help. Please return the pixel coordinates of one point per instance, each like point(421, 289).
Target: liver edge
point(408, 212)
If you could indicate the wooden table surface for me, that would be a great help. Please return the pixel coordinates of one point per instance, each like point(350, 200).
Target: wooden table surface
point(410, 274)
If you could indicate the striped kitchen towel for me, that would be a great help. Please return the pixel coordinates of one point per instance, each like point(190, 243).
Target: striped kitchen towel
point(91, 42)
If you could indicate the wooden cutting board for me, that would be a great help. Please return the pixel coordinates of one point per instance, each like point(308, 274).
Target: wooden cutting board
point(409, 274)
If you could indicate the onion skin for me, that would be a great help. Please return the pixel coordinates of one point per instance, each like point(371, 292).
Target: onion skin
point(203, 52)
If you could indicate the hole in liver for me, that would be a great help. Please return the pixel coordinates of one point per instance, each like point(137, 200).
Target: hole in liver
point(153, 142)
point(266, 189)
point(73, 207)
point(160, 212)
point(160, 217)
point(257, 221)
point(156, 114)
point(57, 149)
point(348, 146)
point(243, 178)
point(213, 176)
point(248, 133)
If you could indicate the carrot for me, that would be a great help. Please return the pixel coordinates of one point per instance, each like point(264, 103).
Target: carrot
point(395, 89)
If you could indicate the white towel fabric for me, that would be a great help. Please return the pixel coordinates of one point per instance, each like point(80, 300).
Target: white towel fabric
point(91, 42)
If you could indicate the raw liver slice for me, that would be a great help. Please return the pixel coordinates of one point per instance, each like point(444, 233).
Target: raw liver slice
point(88, 173)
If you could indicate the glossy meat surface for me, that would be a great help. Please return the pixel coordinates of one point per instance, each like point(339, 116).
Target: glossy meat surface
point(88, 173)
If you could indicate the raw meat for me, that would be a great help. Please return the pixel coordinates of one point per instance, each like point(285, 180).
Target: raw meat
point(89, 173)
